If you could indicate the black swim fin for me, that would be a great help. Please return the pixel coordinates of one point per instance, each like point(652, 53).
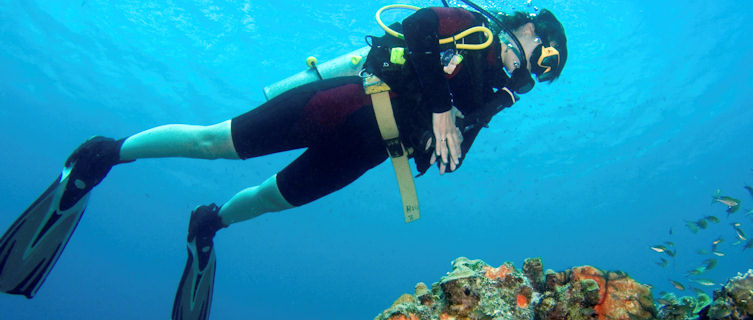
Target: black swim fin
point(32, 245)
point(194, 297)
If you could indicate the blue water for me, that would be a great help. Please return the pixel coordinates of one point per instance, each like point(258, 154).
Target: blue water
point(651, 116)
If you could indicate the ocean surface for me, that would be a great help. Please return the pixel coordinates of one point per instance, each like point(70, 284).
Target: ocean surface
point(652, 115)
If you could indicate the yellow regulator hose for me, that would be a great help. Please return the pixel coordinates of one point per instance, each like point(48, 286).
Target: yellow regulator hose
point(461, 35)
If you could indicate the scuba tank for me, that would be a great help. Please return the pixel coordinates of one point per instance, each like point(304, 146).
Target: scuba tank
point(349, 64)
point(352, 63)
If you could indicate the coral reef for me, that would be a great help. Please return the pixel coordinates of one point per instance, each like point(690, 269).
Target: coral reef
point(734, 300)
point(474, 290)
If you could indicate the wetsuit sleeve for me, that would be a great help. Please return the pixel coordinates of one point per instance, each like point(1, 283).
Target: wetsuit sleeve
point(422, 39)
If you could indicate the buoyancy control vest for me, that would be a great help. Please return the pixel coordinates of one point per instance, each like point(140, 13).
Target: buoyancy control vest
point(474, 84)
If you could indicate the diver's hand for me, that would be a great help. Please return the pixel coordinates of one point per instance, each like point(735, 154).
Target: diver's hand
point(447, 139)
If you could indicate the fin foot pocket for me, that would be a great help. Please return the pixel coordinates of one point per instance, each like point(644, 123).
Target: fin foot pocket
point(88, 165)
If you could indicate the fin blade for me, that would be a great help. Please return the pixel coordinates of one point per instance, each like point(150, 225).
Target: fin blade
point(33, 244)
point(193, 299)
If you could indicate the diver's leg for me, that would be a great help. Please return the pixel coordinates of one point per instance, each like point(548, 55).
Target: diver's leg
point(254, 201)
point(322, 169)
point(180, 140)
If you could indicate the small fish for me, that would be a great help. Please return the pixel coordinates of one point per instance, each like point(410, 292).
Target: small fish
point(709, 263)
point(697, 271)
point(663, 262)
point(702, 251)
point(663, 301)
point(713, 219)
point(677, 285)
point(748, 245)
point(739, 231)
point(750, 190)
point(669, 243)
point(719, 254)
point(692, 226)
point(659, 248)
point(718, 241)
point(731, 203)
point(671, 253)
point(702, 223)
point(670, 229)
point(704, 282)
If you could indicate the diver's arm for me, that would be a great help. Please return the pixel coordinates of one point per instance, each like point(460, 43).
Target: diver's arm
point(422, 39)
point(502, 100)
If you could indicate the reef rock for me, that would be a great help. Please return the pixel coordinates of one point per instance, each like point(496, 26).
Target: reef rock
point(474, 290)
point(589, 293)
point(733, 301)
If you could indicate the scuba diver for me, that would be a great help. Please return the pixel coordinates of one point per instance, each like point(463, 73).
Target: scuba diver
point(437, 96)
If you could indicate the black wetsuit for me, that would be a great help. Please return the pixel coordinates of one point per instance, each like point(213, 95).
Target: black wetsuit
point(334, 119)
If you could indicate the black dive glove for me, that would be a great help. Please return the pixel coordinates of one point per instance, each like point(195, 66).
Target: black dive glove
point(90, 163)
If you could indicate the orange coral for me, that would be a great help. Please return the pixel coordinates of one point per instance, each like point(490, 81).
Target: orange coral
point(498, 273)
point(589, 272)
point(522, 301)
point(445, 316)
point(403, 317)
point(620, 296)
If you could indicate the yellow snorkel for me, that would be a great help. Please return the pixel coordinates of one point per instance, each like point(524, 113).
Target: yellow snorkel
point(459, 36)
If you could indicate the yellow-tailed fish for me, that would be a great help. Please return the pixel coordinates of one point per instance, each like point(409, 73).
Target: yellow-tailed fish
point(677, 285)
point(718, 241)
point(717, 253)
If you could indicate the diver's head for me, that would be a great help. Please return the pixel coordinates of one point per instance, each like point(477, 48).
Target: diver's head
point(548, 58)
point(542, 51)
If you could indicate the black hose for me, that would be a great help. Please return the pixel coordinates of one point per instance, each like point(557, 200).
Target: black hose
point(500, 24)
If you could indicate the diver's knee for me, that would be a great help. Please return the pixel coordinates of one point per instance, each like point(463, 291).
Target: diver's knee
point(215, 141)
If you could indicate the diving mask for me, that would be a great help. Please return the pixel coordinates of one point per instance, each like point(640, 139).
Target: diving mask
point(546, 59)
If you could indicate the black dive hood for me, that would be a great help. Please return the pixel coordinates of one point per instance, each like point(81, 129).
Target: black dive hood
point(521, 80)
